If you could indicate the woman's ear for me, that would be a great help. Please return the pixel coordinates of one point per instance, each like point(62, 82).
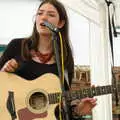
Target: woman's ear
point(61, 23)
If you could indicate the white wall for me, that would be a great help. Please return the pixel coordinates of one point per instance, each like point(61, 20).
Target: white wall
point(16, 19)
point(79, 35)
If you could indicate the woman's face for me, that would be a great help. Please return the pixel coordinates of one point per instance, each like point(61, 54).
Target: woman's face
point(47, 12)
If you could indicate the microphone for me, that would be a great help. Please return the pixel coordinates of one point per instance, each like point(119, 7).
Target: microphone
point(51, 26)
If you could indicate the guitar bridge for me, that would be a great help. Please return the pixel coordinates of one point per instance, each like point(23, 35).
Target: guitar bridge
point(11, 105)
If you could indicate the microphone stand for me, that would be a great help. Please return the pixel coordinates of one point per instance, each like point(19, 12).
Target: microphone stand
point(111, 43)
point(57, 57)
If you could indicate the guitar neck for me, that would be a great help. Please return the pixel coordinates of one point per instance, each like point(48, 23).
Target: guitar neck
point(82, 93)
point(91, 92)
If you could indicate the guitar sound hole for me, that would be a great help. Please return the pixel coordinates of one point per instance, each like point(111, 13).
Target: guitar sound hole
point(37, 101)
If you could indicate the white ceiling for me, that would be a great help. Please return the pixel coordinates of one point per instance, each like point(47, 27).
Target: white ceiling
point(87, 7)
point(103, 1)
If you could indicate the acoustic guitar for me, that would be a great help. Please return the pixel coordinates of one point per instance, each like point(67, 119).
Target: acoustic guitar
point(37, 99)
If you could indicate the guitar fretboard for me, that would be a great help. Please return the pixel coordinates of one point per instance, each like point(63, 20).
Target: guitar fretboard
point(79, 94)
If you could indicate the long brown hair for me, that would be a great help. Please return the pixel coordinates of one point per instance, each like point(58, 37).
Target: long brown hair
point(32, 41)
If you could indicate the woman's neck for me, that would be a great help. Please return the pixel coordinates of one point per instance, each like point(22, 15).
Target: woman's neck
point(45, 44)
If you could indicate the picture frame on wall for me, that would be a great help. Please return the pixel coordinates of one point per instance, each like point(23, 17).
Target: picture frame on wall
point(2, 48)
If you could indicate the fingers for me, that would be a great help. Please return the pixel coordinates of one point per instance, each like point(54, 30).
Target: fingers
point(85, 106)
point(10, 66)
point(93, 101)
point(82, 109)
point(90, 101)
point(87, 99)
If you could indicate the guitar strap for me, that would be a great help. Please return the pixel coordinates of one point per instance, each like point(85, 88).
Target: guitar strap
point(67, 81)
point(66, 77)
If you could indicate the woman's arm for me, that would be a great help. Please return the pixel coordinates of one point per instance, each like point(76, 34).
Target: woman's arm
point(12, 50)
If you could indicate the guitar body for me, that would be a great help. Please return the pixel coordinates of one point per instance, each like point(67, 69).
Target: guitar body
point(37, 99)
point(26, 94)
